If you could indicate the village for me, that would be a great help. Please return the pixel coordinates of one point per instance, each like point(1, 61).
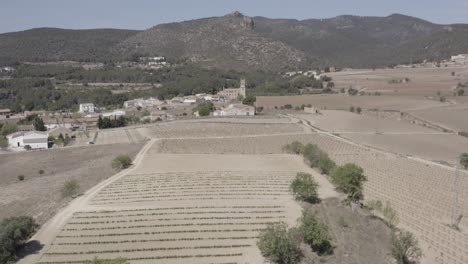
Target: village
point(68, 125)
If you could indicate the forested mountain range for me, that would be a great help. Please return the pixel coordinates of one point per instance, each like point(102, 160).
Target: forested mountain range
point(238, 42)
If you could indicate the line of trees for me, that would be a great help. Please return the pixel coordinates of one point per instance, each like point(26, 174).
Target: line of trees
point(349, 179)
point(111, 122)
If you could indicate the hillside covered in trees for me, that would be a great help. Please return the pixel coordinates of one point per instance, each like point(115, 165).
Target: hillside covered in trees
point(239, 42)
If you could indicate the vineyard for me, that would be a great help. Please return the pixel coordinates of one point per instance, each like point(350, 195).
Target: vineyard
point(204, 189)
point(168, 211)
point(212, 129)
point(116, 136)
point(422, 194)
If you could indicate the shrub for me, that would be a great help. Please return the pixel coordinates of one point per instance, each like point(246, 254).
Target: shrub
point(121, 162)
point(14, 232)
point(27, 147)
point(295, 147)
point(41, 172)
point(351, 109)
point(464, 160)
point(70, 188)
point(352, 91)
point(349, 179)
point(304, 188)
point(375, 205)
point(279, 244)
point(325, 164)
point(358, 110)
point(20, 177)
point(460, 92)
point(315, 234)
point(390, 215)
point(405, 248)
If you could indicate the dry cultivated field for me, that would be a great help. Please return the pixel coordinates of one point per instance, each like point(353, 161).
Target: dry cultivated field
point(201, 191)
point(344, 102)
point(423, 81)
point(453, 118)
point(212, 129)
point(183, 209)
point(119, 135)
point(38, 194)
point(399, 137)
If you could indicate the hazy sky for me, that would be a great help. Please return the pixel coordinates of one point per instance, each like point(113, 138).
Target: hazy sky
point(18, 15)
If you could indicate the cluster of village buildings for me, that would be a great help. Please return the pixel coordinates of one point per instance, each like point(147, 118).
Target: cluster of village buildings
point(226, 103)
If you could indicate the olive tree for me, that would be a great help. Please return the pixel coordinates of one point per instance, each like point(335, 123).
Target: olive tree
point(14, 232)
point(305, 188)
point(315, 234)
point(279, 244)
point(349, 178)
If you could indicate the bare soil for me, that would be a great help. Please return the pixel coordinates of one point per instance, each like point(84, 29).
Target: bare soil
point(39, 195)
point(357, 237)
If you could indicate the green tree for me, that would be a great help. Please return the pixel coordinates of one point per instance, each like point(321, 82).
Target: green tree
point(460, 92)
point(349, 178)
point(464, 160)
point(8, 128)
point(249, 100)
point(38, 124)
point(305, 188)
point(358, 110)
point(279, 244)
point(315, 234)
point(71, 189)
point(204, 109)
point(14, 232)
point(121, 162)
point(325, 164)
point(405, 248)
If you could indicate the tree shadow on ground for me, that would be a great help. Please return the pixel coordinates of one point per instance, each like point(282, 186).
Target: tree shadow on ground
point(31, 247)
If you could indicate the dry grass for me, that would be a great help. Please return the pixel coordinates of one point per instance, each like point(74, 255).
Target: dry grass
point(39, 194)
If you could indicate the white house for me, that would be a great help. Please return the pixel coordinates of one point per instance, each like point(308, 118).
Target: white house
point(460, 59)
point(114, 113)
point(35, 139)
point(236, 110)
point(87, 108)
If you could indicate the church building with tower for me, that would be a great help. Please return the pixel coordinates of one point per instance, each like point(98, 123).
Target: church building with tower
point(233, 93)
